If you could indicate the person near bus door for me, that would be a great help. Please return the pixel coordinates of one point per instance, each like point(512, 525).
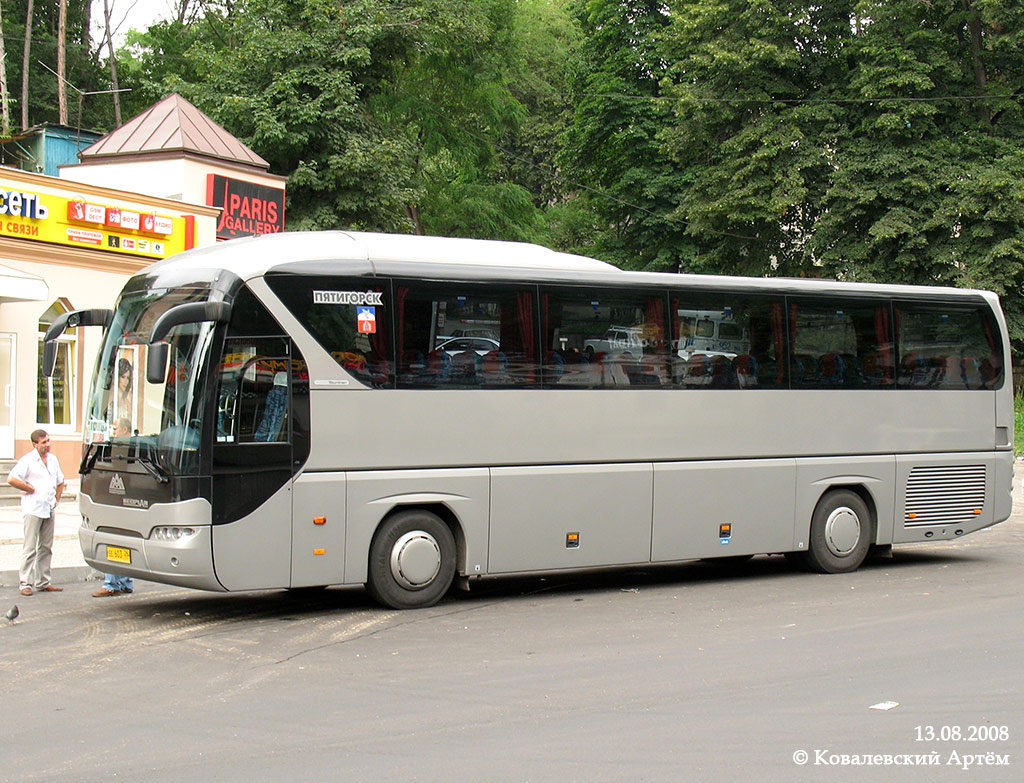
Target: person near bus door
point(39, 478)
point(112, 583)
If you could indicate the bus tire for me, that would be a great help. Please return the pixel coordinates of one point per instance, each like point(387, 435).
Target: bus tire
point(842, 532)
point(412, 560)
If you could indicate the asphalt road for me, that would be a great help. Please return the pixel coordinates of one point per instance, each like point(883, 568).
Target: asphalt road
point(697, 672)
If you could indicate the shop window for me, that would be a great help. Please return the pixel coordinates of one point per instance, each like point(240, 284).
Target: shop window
point(56, 395)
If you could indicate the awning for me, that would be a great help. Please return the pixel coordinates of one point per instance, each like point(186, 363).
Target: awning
point(18, 286)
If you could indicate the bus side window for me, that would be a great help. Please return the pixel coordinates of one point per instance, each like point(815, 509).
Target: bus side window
point(465, 335)
point(727, 341)
point(948, 347)
point(253, 398)
point(603, 338)
point(840, 343)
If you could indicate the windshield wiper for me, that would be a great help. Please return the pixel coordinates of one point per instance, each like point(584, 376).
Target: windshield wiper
point(92, 453)
point(151, 467)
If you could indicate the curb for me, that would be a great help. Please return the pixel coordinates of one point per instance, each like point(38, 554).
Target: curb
point(61, 575)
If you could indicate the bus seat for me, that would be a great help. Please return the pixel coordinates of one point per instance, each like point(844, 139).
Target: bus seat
point(851, 367)
point(495, 369)
point(913, 370)
point(465, 368)
point(831, 370)
point(948, 373)
point(439, 367)
point(698, 371)
point(874, 373)
point(274, 409)
point(988, 372)
point(643, 372)
point(723, 376)
point(747, 371)
point(555, 366)
point(804, 370)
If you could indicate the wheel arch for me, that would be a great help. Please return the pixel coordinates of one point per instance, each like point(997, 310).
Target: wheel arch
point(872, 481)
point(442, 511)
point(859, 489)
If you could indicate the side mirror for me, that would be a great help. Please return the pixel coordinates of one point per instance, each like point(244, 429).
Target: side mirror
point(193, 312)
point(95, 317)
point(49, 357)
point(156, 363)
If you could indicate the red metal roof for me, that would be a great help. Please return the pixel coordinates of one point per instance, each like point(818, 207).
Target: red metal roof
point(173, 125)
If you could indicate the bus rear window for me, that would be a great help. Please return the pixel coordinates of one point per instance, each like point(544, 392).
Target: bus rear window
point(948, 347)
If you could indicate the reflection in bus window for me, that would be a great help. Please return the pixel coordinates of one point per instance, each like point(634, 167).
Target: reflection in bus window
point(840, 344)
point(348, 317)
point(727, 341)
point(946, 347)
point(454, 335)
point(603, 339)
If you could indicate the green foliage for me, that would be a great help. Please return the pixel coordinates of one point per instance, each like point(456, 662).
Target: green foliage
point(857, 139)
point(1018, 423)
point(83, 69)
point(611, 155)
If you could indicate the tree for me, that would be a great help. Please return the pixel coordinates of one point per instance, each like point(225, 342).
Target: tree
point(26, 55)
point(611, 154)
point(38, 70)
point(750, 135)
point(5, 96)
point(927, 186)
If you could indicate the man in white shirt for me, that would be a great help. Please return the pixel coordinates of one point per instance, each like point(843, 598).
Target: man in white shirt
point(39, 477)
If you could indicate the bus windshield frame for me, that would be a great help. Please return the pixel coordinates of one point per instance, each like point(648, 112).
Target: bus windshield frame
point(158, 426)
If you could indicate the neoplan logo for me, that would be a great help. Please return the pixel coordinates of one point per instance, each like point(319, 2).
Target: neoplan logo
point(116, 485)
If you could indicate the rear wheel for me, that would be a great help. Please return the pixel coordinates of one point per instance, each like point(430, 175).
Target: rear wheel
point(842, 532)
point(412, 560)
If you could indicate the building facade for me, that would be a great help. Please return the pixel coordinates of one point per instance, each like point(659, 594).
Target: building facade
point(70, 246)
point(166, 181)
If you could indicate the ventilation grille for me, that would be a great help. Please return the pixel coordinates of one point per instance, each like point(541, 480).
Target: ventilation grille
point(945, 495)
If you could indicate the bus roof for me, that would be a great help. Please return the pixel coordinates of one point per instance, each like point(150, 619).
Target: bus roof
point(359, 253)
point(255, 255)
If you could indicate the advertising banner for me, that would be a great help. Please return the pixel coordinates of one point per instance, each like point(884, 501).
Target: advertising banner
point(248, 208)
point(95, 223)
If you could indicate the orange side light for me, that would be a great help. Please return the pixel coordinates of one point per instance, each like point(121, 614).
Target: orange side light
point(319, 520)
point(319, 551)
point(911, 516)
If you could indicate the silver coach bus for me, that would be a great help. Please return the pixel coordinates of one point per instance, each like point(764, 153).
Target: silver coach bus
point(303, 413)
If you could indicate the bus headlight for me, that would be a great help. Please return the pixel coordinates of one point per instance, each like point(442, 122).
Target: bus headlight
point(172, 533)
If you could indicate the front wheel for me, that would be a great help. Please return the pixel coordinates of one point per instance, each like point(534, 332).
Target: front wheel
point(412, 560)
point(842, 532)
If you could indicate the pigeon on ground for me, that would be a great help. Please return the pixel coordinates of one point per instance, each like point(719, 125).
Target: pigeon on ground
point(12, 614)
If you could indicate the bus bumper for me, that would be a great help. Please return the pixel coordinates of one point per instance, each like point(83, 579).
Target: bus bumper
point(187, 562)
point(121, 541)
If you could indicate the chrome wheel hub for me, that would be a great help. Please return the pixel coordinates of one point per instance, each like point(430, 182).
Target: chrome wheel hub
point(415, 559)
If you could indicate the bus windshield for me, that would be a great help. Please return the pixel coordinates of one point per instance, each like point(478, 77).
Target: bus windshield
point(158, 424)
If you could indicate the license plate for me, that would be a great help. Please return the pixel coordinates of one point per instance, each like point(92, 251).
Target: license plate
point(119, 554)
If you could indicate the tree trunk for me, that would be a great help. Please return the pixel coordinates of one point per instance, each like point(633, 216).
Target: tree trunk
point(62, 48)
point(24, 64)
point(413, 213)
point(5, 96)
point(112, 60)
point(977, 46)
